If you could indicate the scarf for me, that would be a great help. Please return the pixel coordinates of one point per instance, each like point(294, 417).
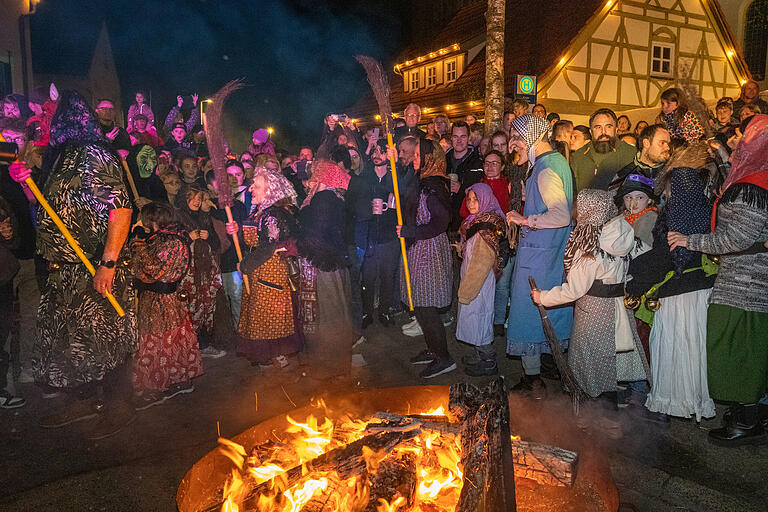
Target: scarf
point(531, 128)
point(432, 163)
point(593, 209)
point(632, 217)
point(325, 175)
point(489, 212)
point(278, 188)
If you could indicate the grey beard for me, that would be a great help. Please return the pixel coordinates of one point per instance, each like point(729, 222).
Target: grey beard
point(604, 146)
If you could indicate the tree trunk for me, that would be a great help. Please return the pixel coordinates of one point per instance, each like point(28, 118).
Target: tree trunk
point(494, 65)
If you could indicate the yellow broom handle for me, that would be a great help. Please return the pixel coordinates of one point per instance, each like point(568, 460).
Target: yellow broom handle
point(400, 221)
point(236, 241)
point(72, 242)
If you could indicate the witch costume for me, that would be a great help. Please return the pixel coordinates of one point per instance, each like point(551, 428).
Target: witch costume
point(168, 351)
point(678, 334)
point(541, 245)
point(604, 346)
point(268, 327)
point(737, 320)
point(82, 338)
point(325, 288)
point(481, 265)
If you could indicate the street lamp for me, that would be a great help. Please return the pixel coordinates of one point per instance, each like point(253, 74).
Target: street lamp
point(270, 130)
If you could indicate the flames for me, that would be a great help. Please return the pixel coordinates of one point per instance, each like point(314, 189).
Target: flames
point(437, 458)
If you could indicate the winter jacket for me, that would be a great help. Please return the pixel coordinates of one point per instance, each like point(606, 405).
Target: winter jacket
point(143, 109)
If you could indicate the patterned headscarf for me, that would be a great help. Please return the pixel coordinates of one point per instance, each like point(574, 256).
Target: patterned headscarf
point(531, 128)
point(75, 122)
point(278, 188)
point(593, 209)
point(325, 175)
point(432, 159)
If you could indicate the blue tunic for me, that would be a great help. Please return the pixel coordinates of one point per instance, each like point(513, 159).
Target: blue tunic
point(540, 254)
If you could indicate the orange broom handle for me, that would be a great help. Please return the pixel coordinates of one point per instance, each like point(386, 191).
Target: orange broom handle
point(72, 242)
point(400, 221)
point(236, 240)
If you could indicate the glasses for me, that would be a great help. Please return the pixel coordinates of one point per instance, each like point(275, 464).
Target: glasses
point(411, 115)
point(492, 163)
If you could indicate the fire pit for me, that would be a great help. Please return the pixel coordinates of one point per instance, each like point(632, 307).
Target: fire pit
point(400, 449)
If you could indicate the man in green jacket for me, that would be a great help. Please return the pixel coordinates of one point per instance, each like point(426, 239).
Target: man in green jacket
point(597, 162)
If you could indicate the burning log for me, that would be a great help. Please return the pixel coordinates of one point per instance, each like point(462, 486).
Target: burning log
point(546, 465)
point(489, 472)
point(346, 460)
point(395, 476)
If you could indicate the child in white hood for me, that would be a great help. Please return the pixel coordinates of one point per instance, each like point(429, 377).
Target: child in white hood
point(604, 347)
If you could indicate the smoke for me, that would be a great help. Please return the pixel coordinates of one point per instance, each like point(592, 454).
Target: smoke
point(296, 56)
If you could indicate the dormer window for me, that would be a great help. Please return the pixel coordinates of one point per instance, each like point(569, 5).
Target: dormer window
point(415, 80)
point(450, 70)
point(431, 76)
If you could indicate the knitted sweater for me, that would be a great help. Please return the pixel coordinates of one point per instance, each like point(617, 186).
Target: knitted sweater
point(743, 278)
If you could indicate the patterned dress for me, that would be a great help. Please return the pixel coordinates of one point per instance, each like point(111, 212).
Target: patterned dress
point(268, 321)
point(430, 265)
point(168, 350)
point(81, 336)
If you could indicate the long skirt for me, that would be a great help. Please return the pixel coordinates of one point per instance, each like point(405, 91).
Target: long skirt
point(330, 334)
point(592, 353)
point(679, 357)
point(737, 353)
point(81, 336)
point(268, 326)
point(167, 358)
point(431, 268)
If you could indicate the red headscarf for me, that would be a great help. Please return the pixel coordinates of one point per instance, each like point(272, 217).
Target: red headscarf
point(749, 163)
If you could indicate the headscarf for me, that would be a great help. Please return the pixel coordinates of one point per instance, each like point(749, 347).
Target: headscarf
point(321, 232)
point(593, 209)
point(75, 122)
point(751, 155)
point(531, 128)
point(432, 161)
point(278, 188)
point(490, 212)
point(328, 175)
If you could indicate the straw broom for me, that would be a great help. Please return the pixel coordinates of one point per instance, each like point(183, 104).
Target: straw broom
point(380, 86)
point(215, 137)
point(569, 381)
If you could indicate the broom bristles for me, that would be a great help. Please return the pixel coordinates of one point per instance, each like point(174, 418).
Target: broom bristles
point(215, 139)
point(380, 85)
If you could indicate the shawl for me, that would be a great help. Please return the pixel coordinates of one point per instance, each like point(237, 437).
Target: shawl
point(593, 209)
point(74, 122)
point(488, 212)
point(321, 232)
point(687, 211)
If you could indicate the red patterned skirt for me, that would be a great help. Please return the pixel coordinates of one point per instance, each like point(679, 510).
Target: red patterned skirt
point(167, 358)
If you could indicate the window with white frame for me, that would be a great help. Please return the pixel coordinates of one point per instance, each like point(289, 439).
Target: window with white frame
point(662, 55)
point(414, 80)
point(431, 75)
point(450, 70)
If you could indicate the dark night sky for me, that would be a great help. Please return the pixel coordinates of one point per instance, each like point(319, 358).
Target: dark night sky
point(295, 55)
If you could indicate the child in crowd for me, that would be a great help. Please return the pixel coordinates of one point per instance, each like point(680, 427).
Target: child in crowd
point(480, 233)
point(639, 202)
point(168, 357)
point(604, 347)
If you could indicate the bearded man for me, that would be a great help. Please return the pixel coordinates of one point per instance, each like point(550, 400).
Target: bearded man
point(596, 163)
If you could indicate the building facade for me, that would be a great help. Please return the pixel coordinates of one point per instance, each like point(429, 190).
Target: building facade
point(15, 52)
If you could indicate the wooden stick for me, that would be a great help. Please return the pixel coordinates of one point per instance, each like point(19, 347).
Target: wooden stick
point(236, 241)
point(130, 180)
point(400, 220)
point(72, 242)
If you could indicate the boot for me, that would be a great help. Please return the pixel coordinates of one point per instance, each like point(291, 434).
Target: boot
point(741, 426)
point(531, 386)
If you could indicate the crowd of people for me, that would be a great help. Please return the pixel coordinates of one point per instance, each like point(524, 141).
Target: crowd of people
point(645, 244)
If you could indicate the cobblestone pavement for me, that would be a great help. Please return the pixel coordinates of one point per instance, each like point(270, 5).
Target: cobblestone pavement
point(139, 469)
